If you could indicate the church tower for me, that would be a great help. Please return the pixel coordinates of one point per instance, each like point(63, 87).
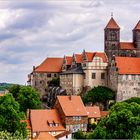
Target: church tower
point(136, 38)
point(111, 39)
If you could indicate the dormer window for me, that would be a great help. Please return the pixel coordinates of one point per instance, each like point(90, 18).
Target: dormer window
point(56, 124)
point(50, 123)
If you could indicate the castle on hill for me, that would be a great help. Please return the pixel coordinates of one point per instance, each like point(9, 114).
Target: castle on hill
point(118, 67)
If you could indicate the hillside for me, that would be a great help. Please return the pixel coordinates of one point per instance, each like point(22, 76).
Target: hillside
point(4, 86)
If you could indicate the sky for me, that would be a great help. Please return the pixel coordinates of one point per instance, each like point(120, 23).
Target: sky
point(32, 30)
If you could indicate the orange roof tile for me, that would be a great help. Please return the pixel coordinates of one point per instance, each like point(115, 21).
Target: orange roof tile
point(69, 60)
point(72, 105)
point(128, 65)
point(93, 111)
point(102, 55)
point(104, 113)
point(137, 27)
point(44, 136)
point(127, 46)
point(112, 24)
point(78, 58)
point(50, 65)
point(39, 119)
point(90, 56)
point(62, 134)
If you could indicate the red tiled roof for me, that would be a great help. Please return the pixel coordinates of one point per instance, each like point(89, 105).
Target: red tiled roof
point(90, 56)
point(93, 111)
point(44, 136)
point(104, 113)
point(62, 134)
point(72, 105)
point(127, 46)
point(69, 60)
point(102, 55)
point(112, 24)
point(137, 27)
point(39, 119)
point(128, 65)
point(50, 65)
point(78, 58)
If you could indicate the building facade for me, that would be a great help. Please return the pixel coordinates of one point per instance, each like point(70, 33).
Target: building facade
point(125, 77)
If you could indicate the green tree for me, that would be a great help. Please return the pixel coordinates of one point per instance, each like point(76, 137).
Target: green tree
point(79, 135)
point(28, 98)
point(14, 90)
point(10, 116)
point(54, 82)
point(133, 99)
point(123, 122)
point(10, 136)
point(99, 94)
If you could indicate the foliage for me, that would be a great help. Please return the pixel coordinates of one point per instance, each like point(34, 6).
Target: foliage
point(5, 86)
point(99, 94)
point(123, 122)
point(26, 96)
point(54, 82)
point(10, 117)
point(10, 136)
point(133, 99)
point(79, 135)
point(91, 126)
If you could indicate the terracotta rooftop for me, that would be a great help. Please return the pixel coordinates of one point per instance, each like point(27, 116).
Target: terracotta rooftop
point(65, 133)
point(112, 24)
point(50, 65)
point(72, 105)
point(102, 55)
point(69, 60)
point(44, 136)
point(127, 46)
point(90, 56)
point(128, 65)
point(137, 27)
point(40, 118)
point(104, 113)
point(78, 58)
point(93, 111)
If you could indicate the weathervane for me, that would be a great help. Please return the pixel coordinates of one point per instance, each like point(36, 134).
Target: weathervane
point(111, 14)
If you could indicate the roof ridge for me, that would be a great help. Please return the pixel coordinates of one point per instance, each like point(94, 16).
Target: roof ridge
point(112, 24)
point(137, 27)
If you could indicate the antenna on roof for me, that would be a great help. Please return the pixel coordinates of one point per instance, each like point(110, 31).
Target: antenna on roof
point(111, 14)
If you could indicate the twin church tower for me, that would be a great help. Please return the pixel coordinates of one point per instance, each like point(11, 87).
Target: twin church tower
point(113, 46)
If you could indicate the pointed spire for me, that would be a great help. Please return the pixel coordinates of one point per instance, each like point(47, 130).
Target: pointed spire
point(137, 27)
point(112, 23)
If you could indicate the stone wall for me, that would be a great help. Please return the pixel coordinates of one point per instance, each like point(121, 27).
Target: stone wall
point(40, 81)
point(72, 83)
point(128, 86)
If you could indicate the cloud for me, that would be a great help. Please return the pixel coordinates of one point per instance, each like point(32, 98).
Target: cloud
point(31, 31)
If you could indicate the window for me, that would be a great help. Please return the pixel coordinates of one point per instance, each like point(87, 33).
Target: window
point(93, 75)
point(55, 75)
point(102, 75)
point(66, 136)
point(49, 75)
point(79, 118)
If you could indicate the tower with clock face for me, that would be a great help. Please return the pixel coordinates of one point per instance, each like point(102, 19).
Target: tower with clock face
point(111, 39)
